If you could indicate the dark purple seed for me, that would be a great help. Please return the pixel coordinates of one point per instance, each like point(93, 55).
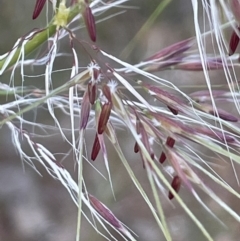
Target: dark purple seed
point(170, 141)
point(104, 117)
point(92, 92)
point(162, 158)
point(95, 148)
point(38, 8)
point(234, 41)
point(176, 183)
point(136, 148)
point(174, 111)
point(90, 23)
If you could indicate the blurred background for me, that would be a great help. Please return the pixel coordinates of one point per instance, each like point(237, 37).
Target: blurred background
point(35, 207)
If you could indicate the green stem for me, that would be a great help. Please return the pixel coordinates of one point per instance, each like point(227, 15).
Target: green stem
point(39, 38)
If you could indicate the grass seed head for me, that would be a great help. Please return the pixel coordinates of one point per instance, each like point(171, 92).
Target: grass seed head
point(234, 41)
point(176, 184)
point(95, 148)
point(90, 22)
point(38, 8)
point(104, 117)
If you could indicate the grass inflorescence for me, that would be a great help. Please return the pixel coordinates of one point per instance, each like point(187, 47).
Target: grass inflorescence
point(183, 126)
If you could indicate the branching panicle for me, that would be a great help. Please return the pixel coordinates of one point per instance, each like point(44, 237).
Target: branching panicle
point(173, 133)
